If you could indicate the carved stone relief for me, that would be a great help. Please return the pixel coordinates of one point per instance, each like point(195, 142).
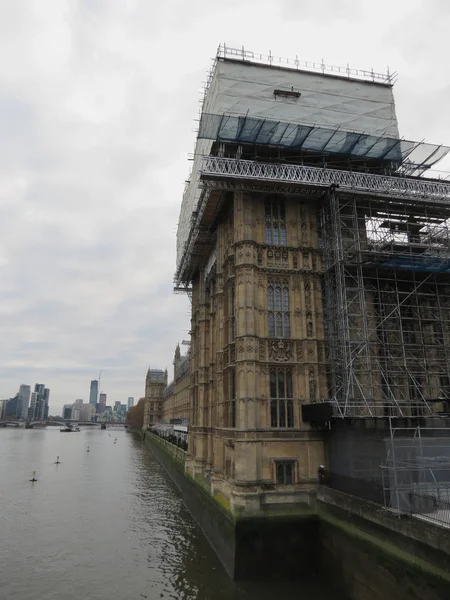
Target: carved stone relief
point(277, 258)
point(280, 351)
point(308, 293)
point(262, 350)
point(232, 354)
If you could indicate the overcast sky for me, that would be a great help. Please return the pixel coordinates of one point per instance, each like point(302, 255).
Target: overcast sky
point(97, 106)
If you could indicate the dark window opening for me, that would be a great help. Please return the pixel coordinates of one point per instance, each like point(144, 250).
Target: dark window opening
point(275, 222)
point(285, 473)
point(281, 398)
point(278, 313)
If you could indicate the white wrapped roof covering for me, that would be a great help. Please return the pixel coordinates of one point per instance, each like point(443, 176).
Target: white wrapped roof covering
point(241, 88)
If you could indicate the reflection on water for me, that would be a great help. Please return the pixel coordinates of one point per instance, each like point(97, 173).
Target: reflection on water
point(105, 525)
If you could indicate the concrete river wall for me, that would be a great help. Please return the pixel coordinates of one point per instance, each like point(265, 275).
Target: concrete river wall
point(366, 552)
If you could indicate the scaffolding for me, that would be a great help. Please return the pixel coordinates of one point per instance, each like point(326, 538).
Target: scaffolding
point(387, 297)
point(416, 473)
point(413, 188)
point(243, 54)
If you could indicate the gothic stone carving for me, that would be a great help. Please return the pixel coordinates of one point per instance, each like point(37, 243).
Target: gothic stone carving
point(262, 350)
point(280, 351)
point(232, 354)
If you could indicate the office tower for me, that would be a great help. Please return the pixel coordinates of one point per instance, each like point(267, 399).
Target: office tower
point(130, 402)
point(24, 393)
point(13, 408)
point(93, 394)
point(67, 411)
point(46, 401)
point(39, 407)
point(33, 405)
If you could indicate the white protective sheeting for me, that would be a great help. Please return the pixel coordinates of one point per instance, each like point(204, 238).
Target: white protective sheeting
point(242, 88)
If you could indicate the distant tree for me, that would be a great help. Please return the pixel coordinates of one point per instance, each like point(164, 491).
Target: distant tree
point(135, 416)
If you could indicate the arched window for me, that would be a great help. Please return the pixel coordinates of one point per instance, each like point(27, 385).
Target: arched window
point(278, 310)
point(229, 391)
point(285, 472)
point(275, 222)
point(281, 398)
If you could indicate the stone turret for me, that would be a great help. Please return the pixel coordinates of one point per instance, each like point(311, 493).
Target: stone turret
point(176, 360)
point(147, 383)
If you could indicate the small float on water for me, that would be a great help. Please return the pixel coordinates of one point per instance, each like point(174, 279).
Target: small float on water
point(57, 462)
point(33, 477)
point(88, 449)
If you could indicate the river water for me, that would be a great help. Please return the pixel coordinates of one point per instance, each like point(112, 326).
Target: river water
point(107, 524)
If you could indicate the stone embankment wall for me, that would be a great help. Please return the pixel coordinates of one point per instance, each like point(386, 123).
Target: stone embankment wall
point(280, 545)
point(367, 552)
point(372, 554)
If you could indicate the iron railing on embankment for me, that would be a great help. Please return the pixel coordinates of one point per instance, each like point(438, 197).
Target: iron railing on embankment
point(430, 507)
point(428, 504)
point(173, 450)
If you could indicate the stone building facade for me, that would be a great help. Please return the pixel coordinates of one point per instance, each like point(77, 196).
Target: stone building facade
point(175, 407)
point(258, 353)
point(155, 383)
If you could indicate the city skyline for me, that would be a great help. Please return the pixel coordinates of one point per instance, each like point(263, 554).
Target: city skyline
point(58, 404)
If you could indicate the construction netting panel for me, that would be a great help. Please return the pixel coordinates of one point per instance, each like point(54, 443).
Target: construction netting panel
point(415, 466)
point(190, 200)
point(240, 88)
point(250, 130)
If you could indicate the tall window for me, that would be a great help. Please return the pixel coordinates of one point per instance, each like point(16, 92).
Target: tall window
point(233, 315)
point(230, 398)
point(230, 314)
point(275, 222)
point(233, 399)
point(285, 472)
point(278, 304)
point(281, 398)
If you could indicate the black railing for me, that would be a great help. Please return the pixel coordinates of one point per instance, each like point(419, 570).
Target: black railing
point(430, 506)
point(171, 438)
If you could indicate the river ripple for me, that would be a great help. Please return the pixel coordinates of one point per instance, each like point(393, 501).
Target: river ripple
point(106, 525)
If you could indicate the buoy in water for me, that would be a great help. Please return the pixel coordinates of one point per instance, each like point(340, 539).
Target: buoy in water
point(33, 476)
point(88, 449)
point(57, 461)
